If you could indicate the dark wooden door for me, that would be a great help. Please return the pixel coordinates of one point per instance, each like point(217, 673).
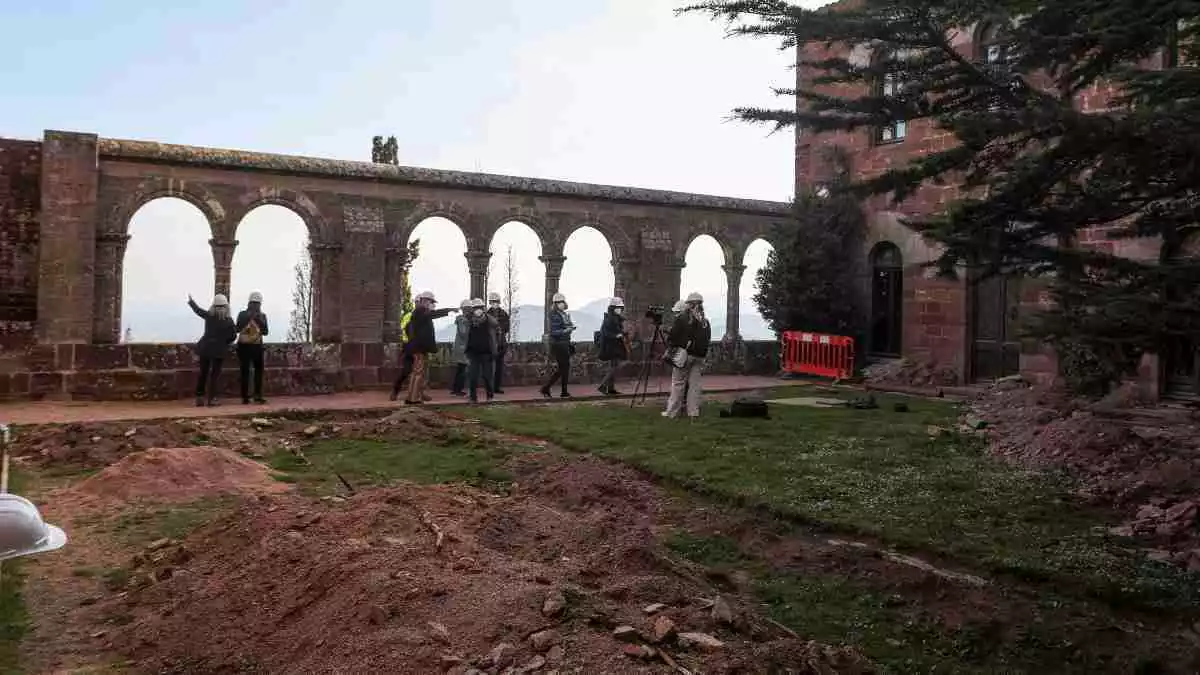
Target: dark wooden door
point(996, 350)
point(1181, 366)
point(887, 310)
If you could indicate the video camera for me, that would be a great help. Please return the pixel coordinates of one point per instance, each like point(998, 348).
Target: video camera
point(655, 313)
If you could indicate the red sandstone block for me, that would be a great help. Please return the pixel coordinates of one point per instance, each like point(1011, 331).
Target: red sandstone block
point(41, 358)
point(351, 355)
point(100, 357)
point(374, 354)
point(45, 384)
point(161, 357)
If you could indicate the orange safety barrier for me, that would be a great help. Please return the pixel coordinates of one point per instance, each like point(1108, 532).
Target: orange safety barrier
point(817, 354)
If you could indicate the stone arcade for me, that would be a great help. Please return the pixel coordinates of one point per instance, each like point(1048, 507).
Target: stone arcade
point(66, 203)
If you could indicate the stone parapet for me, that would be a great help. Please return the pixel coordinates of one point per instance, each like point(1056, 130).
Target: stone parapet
point(92, 372)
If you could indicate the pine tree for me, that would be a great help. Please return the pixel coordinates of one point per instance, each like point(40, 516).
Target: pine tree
point(1034, 171)
point(806, 283)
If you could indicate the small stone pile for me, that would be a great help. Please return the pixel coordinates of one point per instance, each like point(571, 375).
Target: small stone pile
point(912, 374)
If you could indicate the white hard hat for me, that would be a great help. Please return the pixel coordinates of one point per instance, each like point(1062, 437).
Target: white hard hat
point(493, 297)
point(22, 530)
point(256, 297)
point(679, 306)
point(616, 302)
point(220, 300)
point(695, 297)
point(558, 297)
point(478, 302)
point(426, 295)
point(465, 304)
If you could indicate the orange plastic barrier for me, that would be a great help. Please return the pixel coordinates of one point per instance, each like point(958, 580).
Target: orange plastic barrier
point(817, 354)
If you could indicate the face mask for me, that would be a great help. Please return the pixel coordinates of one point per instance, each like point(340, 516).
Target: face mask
point(618, 311)
point(495, 305)
point(562, 306)
point(478, 311)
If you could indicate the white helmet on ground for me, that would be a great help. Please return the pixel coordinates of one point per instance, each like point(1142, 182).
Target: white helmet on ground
point(478, 302)
point(426, 295)
point(616, 302)
point(694, 297)
point(256, 297)
point(558, 297)
point(465, 304)
point(220, 300)
point(679, 306)
point(22, 530)
point(493, 297)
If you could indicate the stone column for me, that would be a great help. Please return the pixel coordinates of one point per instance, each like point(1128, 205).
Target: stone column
point(477, 265)
point(110, 260)
point(554, 265)
point(222, 264)
point(733, 305)
point(326, 292)
point(624, 278)
point(672, 278)
point(396, 271)
point(66, 277)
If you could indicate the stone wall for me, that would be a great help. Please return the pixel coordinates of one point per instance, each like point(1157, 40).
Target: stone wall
point(168, 371)
point(20, 199)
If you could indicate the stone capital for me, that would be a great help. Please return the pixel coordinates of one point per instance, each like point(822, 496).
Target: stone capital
point(734, 272)
point(477, 261)
point(113, 238)
point(554, 264)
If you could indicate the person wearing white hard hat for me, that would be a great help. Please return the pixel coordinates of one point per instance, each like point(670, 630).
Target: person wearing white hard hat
point(252, 328)
point(561, 328)
point(688, 343)
point(614, 347)
point(423, 343)
point(212, 347)
point(503, 330)
point(482, 332)
point(22, 530)
point(458, 350)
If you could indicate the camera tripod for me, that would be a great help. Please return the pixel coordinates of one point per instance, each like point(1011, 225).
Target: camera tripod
point(648, 360)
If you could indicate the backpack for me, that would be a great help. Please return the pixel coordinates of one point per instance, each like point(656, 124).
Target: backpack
point(747, 407)
point(251, 334)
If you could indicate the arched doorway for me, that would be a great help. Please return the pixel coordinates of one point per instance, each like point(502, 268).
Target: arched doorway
point(1181, 362)
point(887, 299)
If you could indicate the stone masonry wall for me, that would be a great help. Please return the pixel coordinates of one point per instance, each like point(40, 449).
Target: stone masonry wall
point(20, 204)
point(168, 371)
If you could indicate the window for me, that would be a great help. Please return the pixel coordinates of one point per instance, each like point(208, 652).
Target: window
point(891, 85)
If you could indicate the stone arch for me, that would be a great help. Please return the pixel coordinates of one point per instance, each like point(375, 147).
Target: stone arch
point(529, 276)
point(441, 265)
point(492, 222)
point(615, 236)
point(296, 202)
point(888, 226)
point(196, 194)
point(751, 264)
point(708, 278)
point(452, 211)
point(701, 229)
point(573, 288)
point(148, 295)
point(265, 259)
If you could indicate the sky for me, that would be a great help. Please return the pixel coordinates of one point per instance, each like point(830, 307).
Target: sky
point(618, 92)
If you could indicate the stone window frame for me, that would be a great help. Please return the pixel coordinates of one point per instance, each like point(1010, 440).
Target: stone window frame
point(889, 85)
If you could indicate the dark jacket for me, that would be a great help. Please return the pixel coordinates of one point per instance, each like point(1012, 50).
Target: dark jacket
point(243, 320)
point(503, 325)
point(612, 338)
point(481, 335)
point(560, 326)
point(218, 334)
point(422, 338)
point(691, 334)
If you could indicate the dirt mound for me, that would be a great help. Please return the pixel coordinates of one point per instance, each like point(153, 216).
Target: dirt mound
point(912, 373)
point(1143, 462)
point(180, 475)
point(286, 585)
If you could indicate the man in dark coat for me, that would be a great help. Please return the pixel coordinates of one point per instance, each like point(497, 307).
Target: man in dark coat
point(423, 343)
point(689, 339)
point(504, 326)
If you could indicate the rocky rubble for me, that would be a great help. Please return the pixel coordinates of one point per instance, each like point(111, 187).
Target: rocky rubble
point(1142, 461)
point(911, 374)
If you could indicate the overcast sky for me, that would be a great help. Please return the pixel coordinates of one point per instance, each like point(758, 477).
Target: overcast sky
point(619, 92)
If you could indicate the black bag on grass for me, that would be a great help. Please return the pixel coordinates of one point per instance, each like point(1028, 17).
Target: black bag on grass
point(745, 406)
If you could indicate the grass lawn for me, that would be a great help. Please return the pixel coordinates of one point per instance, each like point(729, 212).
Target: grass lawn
point(877, 473)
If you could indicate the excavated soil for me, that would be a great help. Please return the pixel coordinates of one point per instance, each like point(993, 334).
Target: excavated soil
point(539, 580)
point(1142, 461)
point(169, 475)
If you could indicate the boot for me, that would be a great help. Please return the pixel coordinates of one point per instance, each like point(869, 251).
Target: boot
point(565, 394)
point(545, 392)
point(245, 400)
point(260, 400)
point(213, 402)
point(199, 401)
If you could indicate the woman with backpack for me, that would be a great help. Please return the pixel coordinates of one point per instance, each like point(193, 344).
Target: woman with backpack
point(219, 333)
point(252, 328)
